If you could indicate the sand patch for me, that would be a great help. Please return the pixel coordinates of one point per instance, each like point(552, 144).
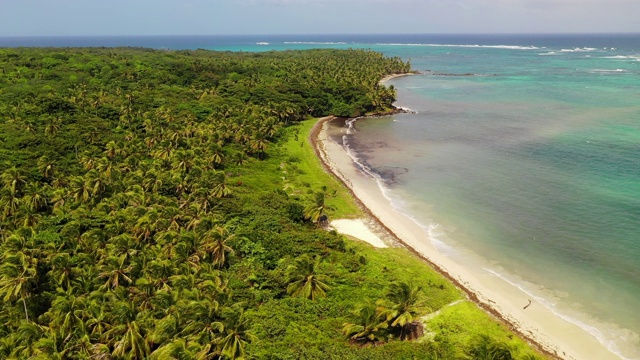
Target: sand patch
point(359, 230)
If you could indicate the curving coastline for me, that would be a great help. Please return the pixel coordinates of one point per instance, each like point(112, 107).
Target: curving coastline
point(543, 328)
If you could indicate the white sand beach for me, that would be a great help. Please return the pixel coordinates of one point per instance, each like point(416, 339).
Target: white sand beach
point(358, 229)
point(537, 323)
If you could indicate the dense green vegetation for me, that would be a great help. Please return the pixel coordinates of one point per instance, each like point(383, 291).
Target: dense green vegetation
point(153, 206)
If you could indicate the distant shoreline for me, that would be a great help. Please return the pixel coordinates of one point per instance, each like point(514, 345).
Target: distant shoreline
point(395, 76)
point(545, 330)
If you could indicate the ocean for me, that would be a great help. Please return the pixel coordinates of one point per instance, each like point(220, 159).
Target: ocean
point(523, 156)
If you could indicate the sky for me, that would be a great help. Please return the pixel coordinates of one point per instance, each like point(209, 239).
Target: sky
point(226, 17)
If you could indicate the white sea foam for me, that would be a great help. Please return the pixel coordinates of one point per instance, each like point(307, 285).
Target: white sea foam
point(262, 43)
point(608, 342)
point(623, 57)
point(607, 71)
point(550, 53)
point(584, 49)
point(314, 43)
point(406, 109)
point(507, 47)
point(432, 229)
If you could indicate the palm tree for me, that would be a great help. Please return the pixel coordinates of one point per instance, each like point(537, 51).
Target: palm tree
point(13, 180)
point(221, 190)
point(180, 349)
point(80, 190)
point(183, 160)
point(35, 197)
point(112, 149)
point(304, 279)
point(170, 325)
point(62, 268)
point(240, 158)
point(29, 218)
point(80, 96)
point(67, 314)
point(46, 167)
point(97, 323)
point(53, 126)
point(115, 271)
point(18, 275)
point(58, 199)
point(105, 167)
point(259, 146)
point(165, 150)
point(204, 321)
point(317, 210)
point(98, 99)
point(237, 334)
point(128, 336)
point(10, 204)
point(369, 325)
point(484, 347)
point(47, 347)
point(152, 181)
point(28, 333)
point(217, 156)
point(402, 307)
point(147, 225)
point(160, 270)
point(215, 244)
point(30, 126)
point(95, 182)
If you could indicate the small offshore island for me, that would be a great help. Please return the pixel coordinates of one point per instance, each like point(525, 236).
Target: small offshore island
point(166, 204)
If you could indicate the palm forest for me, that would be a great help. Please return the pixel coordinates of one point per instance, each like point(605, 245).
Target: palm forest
point(166, 204)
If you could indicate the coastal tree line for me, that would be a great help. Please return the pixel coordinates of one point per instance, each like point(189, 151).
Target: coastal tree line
point(143, 212)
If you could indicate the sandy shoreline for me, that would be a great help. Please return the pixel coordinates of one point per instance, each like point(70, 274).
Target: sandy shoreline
point(393, 76)
point(549, 332)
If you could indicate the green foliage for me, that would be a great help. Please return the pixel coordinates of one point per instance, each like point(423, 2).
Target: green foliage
point(484, 347)
point(152, 206)
point(304, 279)
point(472, 333)
point(369, 325)
point(395, 316)
point(305, 173)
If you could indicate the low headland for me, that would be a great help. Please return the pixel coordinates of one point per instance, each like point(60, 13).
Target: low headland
point(544, 329)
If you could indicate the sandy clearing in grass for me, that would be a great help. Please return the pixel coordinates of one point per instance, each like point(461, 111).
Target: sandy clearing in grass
point(359, 230)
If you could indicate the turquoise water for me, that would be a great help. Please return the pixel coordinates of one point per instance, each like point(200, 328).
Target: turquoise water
point(532, 164)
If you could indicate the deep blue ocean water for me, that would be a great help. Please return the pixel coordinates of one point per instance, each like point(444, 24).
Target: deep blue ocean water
point(532, 163)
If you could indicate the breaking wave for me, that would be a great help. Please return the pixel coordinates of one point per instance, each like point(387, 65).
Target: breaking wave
point(623, 57)
point(584, 49)
point(314, 43)
point(507, 47)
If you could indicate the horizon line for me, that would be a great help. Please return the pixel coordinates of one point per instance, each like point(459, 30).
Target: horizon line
point(326, 34)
